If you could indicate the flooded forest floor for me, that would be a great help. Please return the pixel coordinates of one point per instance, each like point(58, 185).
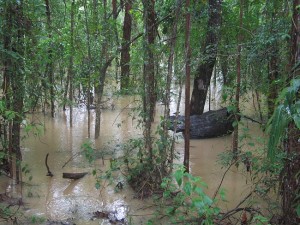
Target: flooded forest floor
point(55, 200)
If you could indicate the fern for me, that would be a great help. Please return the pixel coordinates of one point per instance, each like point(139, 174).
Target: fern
point(279, 123)
point(286, 112)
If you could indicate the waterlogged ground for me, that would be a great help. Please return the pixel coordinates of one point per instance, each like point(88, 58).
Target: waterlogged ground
point(53, 199)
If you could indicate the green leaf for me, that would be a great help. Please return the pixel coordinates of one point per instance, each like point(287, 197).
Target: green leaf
point(298, 210)
point(199, 204)
point(97, 185)
point(278, 125)
point(207, 200)
point(235, 123)
point(199, 191)
point(178, 176)
point(188, 188)
point(297, 120)
point(2, 155)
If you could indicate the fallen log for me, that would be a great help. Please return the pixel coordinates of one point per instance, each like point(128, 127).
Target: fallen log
point(210, 124)
point(74, 176)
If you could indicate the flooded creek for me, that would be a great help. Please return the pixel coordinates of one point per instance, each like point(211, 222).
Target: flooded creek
point(58, 199)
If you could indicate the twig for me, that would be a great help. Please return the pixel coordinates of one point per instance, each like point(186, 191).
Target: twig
point(236, 210)
point(122, 111)
point(70, 159)
point(223, 177)
point(46, 163)
point(253, 120)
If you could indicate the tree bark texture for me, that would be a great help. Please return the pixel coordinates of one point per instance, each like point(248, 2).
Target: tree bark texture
point(125, 52)
point(205, 68)
point(186, 160)
point(15, 67)
point(106, 60)
point(72, 50)
point(89, 67)
point(238, 84)
point(290, 173)
point(167, 96)
point(149, 98)
point(49, 66)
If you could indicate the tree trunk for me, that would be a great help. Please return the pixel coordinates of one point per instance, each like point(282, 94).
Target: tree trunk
point(186, 160)
point(149, 98)
point(6, 87)
point(290, 174)
point(273, 65)
point(273, 76)
point(238, 85)
point(167, 97)
point(49, 66)
point(106, 61)
point(89, 68)
point(16, 69)
point(205, 69)
point(125, 52)
point(71, 72)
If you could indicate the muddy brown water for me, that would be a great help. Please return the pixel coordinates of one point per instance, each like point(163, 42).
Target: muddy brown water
point(58, 199)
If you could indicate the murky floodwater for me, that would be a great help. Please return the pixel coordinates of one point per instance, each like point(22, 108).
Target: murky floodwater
point(58, 199)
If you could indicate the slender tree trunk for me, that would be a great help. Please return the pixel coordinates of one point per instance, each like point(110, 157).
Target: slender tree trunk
point(186, 160)
point(125, 53)
point(273, 65)
point(273, 76)
point(149, 98)
point(238, 84)
point(89, 68)
point(7, 74)
point(17, 80)
point(71, 72)
point(99, 87)
point(49, 66)
point(106, 61)
point(290, 174)
point(115, 28)
point(205, 69)
point(167, 97)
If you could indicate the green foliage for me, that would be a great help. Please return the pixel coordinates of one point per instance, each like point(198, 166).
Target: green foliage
point(260, 220)
point(186, 201)
point(88, 151)
point(287, 111)
point(37, 219)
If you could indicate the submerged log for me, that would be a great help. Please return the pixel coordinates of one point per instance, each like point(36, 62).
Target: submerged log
point(210, 124)
point(74, 176)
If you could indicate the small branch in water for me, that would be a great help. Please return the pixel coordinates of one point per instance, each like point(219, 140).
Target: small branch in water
point(72, 157)
point(46, 163)
point(220, 184)
point(253, 120)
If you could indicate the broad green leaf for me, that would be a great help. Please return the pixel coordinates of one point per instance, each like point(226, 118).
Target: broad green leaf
point(178, 176)
point(298, 210)
point(278, 125)
point(207, 200)
point(297, 120)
